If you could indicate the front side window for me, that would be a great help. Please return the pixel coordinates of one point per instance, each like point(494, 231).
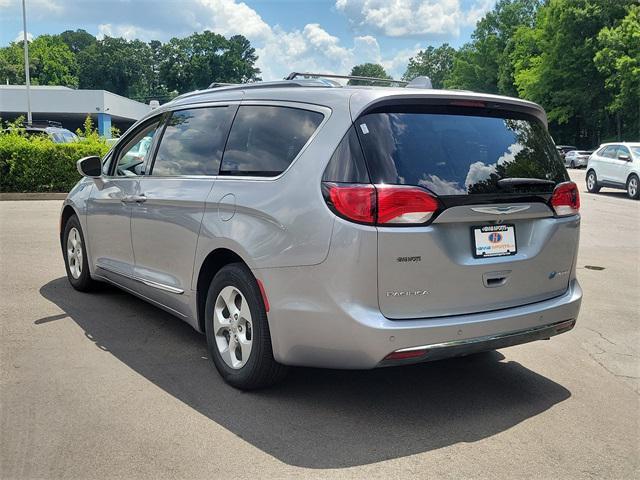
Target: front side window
point(193, 141)
point(622, 150)
point(264, 140)
point(133, 155)
point(459, 151)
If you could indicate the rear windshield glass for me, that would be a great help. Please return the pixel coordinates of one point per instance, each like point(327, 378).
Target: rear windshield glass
point(459, 153)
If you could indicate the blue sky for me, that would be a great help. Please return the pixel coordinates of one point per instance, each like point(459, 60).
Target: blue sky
point(311, 35)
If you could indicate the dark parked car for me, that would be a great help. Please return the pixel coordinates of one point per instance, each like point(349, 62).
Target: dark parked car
point(53, 130)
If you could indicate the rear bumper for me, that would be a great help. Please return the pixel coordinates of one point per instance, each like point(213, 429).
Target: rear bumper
point(456, 348)
point(310, 326)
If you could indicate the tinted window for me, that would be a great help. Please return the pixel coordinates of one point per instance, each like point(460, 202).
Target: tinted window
point(193, 141)
point(458, 154)
point(264, 140)
point(347, 162)
point(133, 155)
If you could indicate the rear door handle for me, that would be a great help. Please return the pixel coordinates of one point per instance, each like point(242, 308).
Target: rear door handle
point(134, 199)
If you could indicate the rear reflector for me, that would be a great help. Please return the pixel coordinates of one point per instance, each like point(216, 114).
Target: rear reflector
point(566, 199)
point(407, 354)
point(264, 295)
point(381, 204)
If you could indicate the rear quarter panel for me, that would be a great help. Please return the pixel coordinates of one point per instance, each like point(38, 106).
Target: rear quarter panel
point(281, 221)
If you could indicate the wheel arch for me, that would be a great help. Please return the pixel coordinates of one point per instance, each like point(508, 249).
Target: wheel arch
point(632, 174)
point(67, 212)
point(213, 262)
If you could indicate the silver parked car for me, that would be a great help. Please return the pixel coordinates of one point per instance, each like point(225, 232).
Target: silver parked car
point(577, 158)
point(305, 223)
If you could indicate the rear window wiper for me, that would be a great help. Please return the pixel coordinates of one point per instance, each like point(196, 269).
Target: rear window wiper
point(509, 183)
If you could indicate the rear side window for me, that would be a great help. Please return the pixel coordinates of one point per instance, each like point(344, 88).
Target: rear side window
point(347, 162)
point(610, 152)
point(193, 141)
point(264, 140)
point(459, 151)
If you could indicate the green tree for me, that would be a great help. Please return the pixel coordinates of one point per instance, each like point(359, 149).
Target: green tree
point(196, 61)
point(50, 61)
point(483, 64)
point(77, 40)
point(618, 59)
point(433, 62)
point(553, 65)
point(373, 70)
point(118, 65)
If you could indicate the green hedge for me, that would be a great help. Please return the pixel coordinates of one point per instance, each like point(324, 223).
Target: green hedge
point(30, 164)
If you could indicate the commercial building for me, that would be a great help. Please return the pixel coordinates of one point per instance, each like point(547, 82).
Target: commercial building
point(70, 107)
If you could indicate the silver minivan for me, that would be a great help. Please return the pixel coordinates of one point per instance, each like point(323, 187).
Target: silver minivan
point(306, 223)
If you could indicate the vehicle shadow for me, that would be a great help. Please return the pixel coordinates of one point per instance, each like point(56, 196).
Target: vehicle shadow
point(316, 418)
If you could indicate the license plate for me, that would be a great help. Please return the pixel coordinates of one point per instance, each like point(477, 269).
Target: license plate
point(494, 241)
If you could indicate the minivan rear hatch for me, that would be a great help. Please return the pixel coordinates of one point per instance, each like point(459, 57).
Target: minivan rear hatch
point(495, 242)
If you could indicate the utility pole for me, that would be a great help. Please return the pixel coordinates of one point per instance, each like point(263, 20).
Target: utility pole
point(26, 61)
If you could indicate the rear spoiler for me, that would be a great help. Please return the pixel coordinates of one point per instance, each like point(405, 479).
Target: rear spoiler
point(362, 102)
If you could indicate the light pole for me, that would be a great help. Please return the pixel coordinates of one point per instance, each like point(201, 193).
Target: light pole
point(26, 61)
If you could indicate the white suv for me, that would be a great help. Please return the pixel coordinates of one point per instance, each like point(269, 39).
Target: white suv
point(615, 165)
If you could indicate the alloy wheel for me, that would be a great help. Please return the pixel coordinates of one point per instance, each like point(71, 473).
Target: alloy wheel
point(632, 188)
point(74, 253)
point(233, 327)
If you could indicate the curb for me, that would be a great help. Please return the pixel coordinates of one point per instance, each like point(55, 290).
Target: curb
point(32, 196)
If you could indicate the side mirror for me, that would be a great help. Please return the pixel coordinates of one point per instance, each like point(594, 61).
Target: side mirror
point(624, 157)
point(90, 167)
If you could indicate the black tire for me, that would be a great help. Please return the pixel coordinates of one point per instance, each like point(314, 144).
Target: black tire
point(82, 282)
point(633, 187)
point(260, 370)
point(592, 186)
point(573, 164)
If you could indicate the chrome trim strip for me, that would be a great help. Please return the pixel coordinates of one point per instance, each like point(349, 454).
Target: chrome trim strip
point(501, 210)
point(139, 295)
point(159, 286)
point(488, 338)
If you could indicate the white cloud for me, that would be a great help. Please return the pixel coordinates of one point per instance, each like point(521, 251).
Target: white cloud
point(20, 36)
point(400, 18)
point(310, 47)
point(479, 171)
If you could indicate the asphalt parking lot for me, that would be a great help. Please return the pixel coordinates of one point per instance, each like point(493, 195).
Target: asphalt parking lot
point(103, 385)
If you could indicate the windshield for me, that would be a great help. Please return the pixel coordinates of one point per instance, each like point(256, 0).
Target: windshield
point(459, 154)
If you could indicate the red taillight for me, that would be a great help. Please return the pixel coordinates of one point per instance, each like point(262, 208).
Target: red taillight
point(354, 202)
point(566, 199)
point(381, 204)
point(401, 205)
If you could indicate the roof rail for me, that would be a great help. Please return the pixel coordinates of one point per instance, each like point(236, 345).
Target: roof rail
point(45, 123)
point(294, 75)
point(315, 82)
point(222, 84)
